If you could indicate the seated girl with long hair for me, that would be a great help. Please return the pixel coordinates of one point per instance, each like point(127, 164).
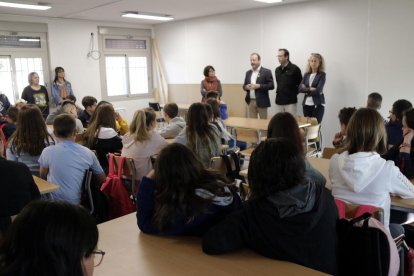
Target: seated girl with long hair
point(201, 136)
point(284, 125)
point(181, 197)
point(30, 138)
point(141, 142)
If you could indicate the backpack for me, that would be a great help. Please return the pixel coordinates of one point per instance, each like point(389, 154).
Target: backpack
point(3, 142)
point(93, 199)
point(119, 201)
point(366, 247)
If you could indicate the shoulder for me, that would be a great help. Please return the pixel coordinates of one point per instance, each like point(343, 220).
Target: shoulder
point(107, 133)
point(322, 74)
point(265, 70)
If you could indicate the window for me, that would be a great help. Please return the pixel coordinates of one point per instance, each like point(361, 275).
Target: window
point(125, 66)
point(20, 54)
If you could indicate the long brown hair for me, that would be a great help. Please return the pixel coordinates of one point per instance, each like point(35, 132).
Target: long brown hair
point(31, 134)
point(284, 125)
point(104, 116)
point(178, 172)
point(141, 122)
point(366, 132)
point(198, 127)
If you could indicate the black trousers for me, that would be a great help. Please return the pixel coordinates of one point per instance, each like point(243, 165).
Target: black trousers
point(316, 111)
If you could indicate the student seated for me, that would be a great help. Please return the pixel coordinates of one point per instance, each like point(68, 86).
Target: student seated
point(181, 197)
point(72, 98)
point(403, 154)
point(201, 136)
point(142, 142)
point(101, 134)
point(374, 101)
point(51, 238)
point(66, 107)
point(8, 125)
point(65, 163)
point(174, 125)
point(30, 138)
point(222, 105)
point(344, 116)
point(394, 125)
point(287, 217)
point(284, 125)
point(4, 104)
point(16, 190)
point(218, 122)
point(359, 175)
point(89, 103)
point(20, 103)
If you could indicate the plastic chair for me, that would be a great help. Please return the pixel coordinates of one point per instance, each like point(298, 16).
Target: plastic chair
point(311, 140)
point(252, 136)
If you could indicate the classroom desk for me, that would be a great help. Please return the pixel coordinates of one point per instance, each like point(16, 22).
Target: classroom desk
point(130, 252)
point(254, 123)
point(322, 165)
point(44, 186)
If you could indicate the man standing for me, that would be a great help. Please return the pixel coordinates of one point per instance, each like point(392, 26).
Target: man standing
point(288, 78)
point(257, 83)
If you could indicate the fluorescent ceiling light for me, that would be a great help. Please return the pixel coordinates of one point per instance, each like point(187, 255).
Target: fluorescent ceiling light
point(147, 16)
point(29, 39)
point(269, 1)
point(24, 6)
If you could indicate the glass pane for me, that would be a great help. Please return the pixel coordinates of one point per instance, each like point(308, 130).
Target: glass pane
point(24, 66)
point(116, 76)
point(125, 44)
point(138, 75)
point(13, 41)
point(6, 81)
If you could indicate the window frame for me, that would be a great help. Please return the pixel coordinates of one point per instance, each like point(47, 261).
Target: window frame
point(127, 53)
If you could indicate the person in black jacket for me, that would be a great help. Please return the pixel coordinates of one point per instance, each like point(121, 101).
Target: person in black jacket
point(257, 83)
point(287, 217)
point(288, 77)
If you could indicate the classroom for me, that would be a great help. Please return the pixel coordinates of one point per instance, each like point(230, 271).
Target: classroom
point(366, 44)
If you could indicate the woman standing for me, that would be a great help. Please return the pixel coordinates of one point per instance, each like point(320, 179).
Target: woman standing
point(312, 86)
point(210, 83)
point(61, 88)
point(36, 94)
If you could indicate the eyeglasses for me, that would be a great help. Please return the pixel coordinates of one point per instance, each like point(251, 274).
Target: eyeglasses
point(98, 257)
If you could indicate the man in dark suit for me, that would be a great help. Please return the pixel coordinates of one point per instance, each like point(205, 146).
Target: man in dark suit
point(257, 83)
point(288, 77)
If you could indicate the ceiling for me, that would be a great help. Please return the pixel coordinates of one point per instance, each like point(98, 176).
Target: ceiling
point(111, 10)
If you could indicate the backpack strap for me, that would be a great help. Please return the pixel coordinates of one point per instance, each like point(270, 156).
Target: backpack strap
point(236, 161)
point(230, 173)
point(111, 170)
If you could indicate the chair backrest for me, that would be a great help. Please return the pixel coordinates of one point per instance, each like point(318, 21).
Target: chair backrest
point(217, 164)
point(247, 135)
point(349, 210)
point(86, 185)
point(328, 152)
point(155, 105)
point(312, 132)
point(128, 173)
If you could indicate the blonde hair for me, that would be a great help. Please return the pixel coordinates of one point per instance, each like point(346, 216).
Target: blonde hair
point(321, 67)
point(141, 123)
point(366, 132)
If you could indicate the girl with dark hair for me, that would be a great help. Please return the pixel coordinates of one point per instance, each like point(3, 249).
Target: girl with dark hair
point(210, 83)
point(51, 238)
point(36, 94)
point(142, 142)
point(394, 125)
point(181, 197)
point(101, 134)
point(359, 175)
point(201, 136)
point(287, 214)
point(284, 125)
point(30, 138)
point(61, 88)
point(403, 154)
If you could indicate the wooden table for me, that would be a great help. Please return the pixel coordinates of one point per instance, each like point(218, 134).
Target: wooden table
point(322, 165)
point(44, 186)
point(130, 252)
point(252, 123)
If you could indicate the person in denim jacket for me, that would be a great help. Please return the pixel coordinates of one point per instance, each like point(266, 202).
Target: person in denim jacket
point(61, 88)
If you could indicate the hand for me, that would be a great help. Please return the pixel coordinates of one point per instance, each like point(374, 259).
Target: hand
point(337, 139)
point(255, 86)
point(247, 87)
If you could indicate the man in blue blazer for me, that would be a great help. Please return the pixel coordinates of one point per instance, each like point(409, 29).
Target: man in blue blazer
point(257, 83)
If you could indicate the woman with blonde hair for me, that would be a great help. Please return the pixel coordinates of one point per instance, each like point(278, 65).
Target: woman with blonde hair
point(142, 141)
point(312, 86)
point(359, 175)
point(101, 134)
point(29, 139)
point(36, 94)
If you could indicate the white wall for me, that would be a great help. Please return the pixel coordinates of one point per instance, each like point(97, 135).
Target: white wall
point(69, 43)
point(367, 45)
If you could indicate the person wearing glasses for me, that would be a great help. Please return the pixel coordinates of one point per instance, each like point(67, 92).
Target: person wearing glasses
point(61, 88)
point(394, 125)
point(312, 87)
point(51, 238)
